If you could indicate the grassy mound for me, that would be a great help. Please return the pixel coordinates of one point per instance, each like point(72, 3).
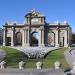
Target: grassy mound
point(14, 56)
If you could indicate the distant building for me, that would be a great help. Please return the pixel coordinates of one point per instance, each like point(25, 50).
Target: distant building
point(37, 32)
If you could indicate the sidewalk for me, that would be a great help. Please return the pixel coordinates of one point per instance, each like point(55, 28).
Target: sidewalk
point(10, 71)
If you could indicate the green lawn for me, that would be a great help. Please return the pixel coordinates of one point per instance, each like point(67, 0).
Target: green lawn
point(13, 57)
point(53, 56)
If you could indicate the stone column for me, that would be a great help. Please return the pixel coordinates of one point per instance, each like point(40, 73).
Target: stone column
point(27, 38)
point(65, 40)
point(12, 37)
point(23, 37)
point(41, 38)
point(4, 36)
point(56, 38)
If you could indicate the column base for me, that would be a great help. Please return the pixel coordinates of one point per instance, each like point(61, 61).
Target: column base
point(12, 44)
point(66, 45)
point(41, 45)
point(4, 44)
point(57, 45)
point(26, 45)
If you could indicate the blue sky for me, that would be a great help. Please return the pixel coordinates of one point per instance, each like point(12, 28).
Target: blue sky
point(15, 10)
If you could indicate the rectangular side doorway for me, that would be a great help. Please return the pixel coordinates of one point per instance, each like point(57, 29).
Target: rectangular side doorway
point(8, 41)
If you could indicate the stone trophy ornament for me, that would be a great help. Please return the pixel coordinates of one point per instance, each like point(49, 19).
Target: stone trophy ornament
point(21, 65)
point(39, 65)
point(2, 64)
point(73, 68)
point(57, 65)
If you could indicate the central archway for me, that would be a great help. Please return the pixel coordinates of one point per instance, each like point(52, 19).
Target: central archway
point(34, 38)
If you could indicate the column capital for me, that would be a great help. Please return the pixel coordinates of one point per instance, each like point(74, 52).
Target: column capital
point(57, 28)
point(66, 29)
point(42, 29)
point(25, 28)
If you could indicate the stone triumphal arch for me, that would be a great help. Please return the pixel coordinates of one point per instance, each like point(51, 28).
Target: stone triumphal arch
point(35, 31)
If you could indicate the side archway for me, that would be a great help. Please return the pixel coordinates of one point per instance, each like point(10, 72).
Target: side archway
point(51, 39)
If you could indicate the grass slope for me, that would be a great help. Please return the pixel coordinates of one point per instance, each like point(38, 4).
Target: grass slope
point(13, 57)
point(57, 55)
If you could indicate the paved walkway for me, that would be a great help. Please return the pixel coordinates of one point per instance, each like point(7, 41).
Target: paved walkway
point(2, 54)
point(31, 72)
point(70, 56)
